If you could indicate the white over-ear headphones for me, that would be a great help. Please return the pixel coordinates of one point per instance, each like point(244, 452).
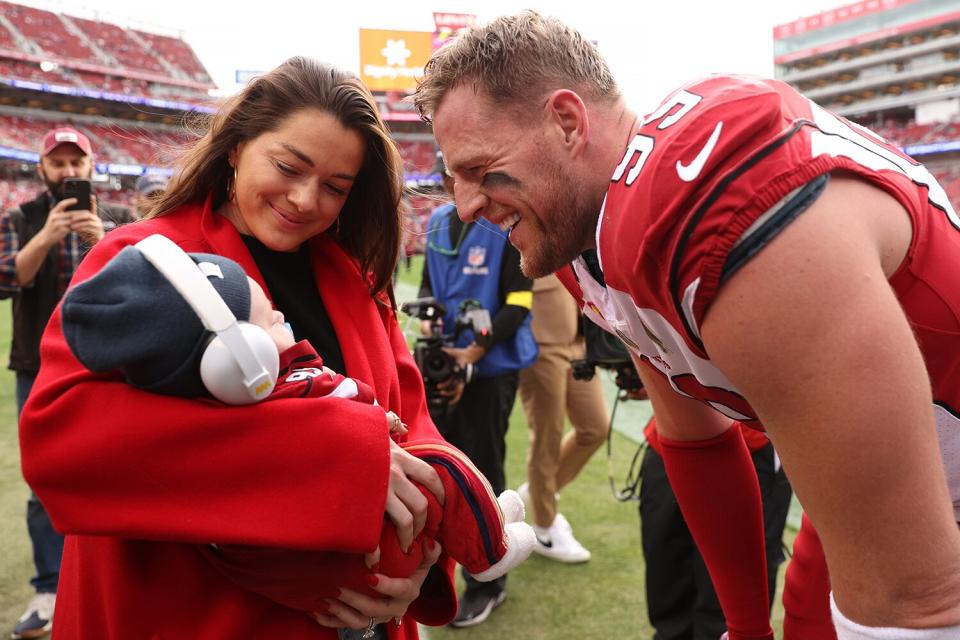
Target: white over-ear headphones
point(241, 363)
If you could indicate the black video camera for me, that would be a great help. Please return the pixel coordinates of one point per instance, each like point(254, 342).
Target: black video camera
point(436, 365)
point(607, 352)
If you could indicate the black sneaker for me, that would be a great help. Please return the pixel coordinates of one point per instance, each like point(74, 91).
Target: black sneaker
point(37, 620)
point(476, 606)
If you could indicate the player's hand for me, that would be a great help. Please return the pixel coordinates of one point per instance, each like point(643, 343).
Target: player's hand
point(406, 506)
point(354, 610)
point(58, 223)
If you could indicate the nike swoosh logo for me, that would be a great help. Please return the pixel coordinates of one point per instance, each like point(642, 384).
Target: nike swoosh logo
point(547, 543)
point(690, 172)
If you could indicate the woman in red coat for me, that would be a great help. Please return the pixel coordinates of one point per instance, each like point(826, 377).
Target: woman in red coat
point(297, 180)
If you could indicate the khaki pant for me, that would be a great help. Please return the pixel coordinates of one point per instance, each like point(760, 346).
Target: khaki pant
point(548, 393)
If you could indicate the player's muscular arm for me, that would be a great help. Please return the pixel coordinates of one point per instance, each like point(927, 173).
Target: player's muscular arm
point(811, 333)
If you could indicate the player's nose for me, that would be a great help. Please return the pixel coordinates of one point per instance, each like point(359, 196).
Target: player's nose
point(471, 203)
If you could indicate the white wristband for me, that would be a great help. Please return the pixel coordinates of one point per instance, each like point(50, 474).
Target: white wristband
point(849, 630)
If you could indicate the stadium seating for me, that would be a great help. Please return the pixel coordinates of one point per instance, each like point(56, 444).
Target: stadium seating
point(6, 39)
point(48, 31)
point(114, 41)
point(99, 82)
point(30, 71)
point(133, 146)
point(178, 53)
point(949, 179)
point(64, 38)
point(419, 157)
point(419, 208)
point(21, 133)
point(909, 133)
point(97, 55)
point(15, 191)
point(112, 84)
point(113, 143)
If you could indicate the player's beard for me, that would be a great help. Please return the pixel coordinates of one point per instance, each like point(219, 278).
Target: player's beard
point(572, 214)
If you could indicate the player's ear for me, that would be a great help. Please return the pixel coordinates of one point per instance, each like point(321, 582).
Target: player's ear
point(567, 116)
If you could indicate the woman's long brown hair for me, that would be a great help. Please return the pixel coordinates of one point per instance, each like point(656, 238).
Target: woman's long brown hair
point(369, 225)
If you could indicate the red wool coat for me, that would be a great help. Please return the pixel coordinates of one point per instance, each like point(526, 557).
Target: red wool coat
point(136, 480)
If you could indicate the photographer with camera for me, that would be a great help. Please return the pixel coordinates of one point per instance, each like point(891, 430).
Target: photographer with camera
point(41, 244)
point(465, 262)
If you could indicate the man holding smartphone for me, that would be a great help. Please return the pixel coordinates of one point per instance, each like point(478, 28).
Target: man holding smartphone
point(41, 244)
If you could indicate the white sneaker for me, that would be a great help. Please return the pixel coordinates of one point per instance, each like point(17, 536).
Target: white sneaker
point(557, 542)
point(37, 620)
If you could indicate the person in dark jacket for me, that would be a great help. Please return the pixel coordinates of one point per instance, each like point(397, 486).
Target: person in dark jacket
point(41, 244)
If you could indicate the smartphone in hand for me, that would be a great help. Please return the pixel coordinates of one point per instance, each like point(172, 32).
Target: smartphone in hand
point(78, 188)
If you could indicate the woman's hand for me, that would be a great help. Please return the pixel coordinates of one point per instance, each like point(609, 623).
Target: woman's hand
point(355, 610)
point(406, 506)
point(396, 425)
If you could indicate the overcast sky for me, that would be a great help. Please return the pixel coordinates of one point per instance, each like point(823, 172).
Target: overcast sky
point(651, 46)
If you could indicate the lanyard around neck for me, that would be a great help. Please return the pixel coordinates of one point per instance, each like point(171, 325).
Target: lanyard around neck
point(434, 245)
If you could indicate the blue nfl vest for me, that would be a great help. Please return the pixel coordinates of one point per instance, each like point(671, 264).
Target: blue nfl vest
point(473, 272)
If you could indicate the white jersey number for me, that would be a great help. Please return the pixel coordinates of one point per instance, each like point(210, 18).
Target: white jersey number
point(641, 146)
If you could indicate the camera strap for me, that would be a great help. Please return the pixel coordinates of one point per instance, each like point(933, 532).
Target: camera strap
point(631, 488)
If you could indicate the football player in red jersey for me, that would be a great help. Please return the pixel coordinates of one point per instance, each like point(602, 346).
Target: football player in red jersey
point(767, 262)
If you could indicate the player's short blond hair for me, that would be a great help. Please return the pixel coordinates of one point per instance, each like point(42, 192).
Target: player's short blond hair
point(515, 59)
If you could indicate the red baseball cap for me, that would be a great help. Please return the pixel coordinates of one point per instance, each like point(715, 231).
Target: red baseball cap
point(65, 135)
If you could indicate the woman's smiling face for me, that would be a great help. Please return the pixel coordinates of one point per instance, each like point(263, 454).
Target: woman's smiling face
point(292, 182)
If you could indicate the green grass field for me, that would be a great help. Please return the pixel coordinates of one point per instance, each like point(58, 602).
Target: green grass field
point(547, 600)
point(16, 563)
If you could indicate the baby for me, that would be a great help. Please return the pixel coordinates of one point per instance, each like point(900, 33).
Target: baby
point(131, 319)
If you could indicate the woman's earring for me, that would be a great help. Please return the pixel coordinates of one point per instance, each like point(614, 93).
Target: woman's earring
point(232, 186)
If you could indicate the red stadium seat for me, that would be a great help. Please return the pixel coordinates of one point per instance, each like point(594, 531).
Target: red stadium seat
point(48, 31)
point(113, 143)
point(113, 40)
point(178, 53)
point(418, 156)
point(69, 39)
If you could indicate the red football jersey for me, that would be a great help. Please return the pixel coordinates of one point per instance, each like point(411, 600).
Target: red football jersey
point(702, 187)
